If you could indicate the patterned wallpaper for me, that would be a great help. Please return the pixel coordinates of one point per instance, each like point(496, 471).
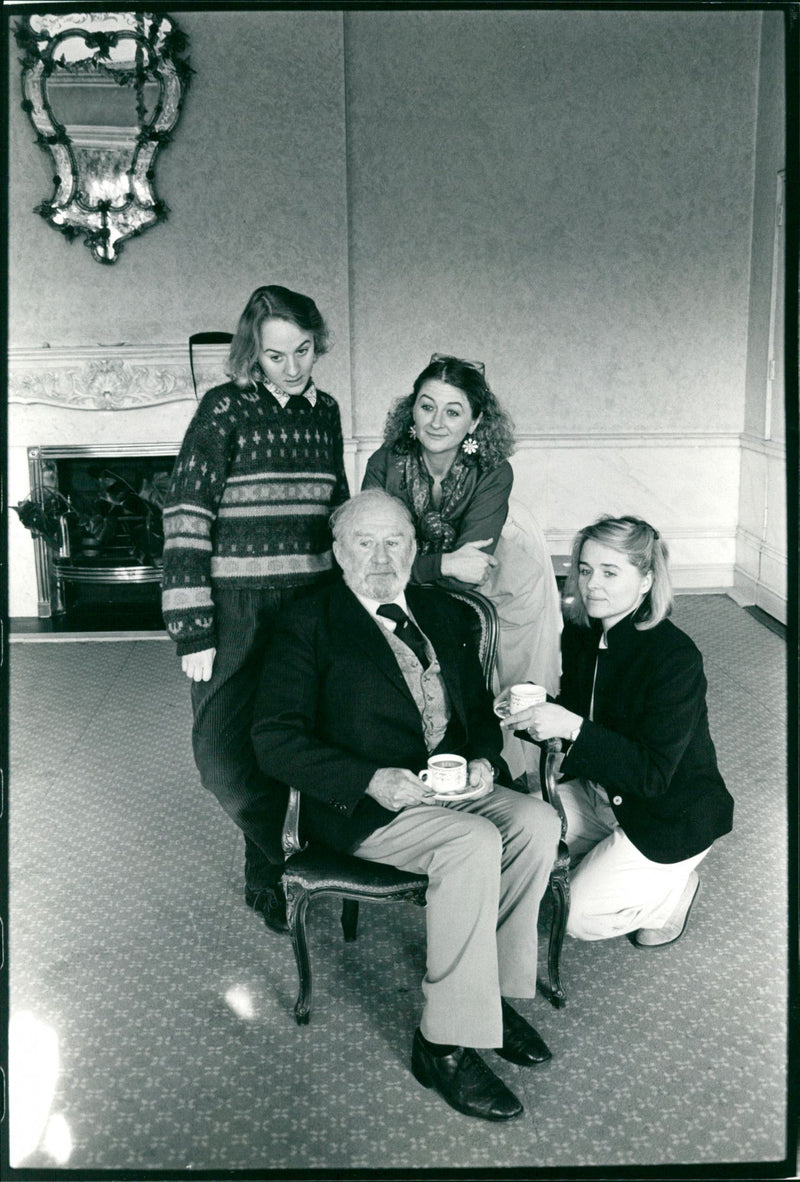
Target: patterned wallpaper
point(566, 194)
point(255, 182)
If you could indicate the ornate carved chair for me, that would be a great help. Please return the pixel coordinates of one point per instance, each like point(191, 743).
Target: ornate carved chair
point(553, 990)
point(311, 871)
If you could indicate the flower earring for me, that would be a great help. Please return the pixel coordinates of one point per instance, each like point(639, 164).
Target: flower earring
point(412, 432)
point(470, 445)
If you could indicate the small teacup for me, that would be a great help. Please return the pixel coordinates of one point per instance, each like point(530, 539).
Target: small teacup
point(445, 774)
point(524, 695)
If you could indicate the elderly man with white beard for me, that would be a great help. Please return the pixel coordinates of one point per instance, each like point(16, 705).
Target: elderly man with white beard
point(363, 681)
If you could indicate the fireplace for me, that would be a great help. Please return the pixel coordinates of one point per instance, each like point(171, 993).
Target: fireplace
point(98, 539)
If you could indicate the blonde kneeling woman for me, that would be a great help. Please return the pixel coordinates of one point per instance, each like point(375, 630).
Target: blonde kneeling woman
point(642, 791)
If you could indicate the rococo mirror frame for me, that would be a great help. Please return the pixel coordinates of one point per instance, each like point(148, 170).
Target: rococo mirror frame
point(118, 163)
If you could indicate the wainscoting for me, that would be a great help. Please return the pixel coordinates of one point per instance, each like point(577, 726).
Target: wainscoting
point(760, 576)
point(691, 486)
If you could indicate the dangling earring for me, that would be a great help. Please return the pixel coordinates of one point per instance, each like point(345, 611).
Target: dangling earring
point(470, 445)
point(412, 432)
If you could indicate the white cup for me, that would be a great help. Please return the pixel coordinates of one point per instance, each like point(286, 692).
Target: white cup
point(445, 774)
point(524, 695)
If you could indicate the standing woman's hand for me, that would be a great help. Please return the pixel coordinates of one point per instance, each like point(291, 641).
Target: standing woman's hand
point(199, 666)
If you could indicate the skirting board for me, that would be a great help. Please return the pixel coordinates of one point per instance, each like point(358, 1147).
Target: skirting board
point(747, 591)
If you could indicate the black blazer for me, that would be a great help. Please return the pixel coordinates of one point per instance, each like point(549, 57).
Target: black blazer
point(333, 707)
point(649, 744)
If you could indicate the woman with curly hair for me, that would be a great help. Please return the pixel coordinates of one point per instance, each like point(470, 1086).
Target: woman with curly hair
point(445, 455)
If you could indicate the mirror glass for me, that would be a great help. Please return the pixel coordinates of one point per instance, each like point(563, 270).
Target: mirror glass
point(104, 92)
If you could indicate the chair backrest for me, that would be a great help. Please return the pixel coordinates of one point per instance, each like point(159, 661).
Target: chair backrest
point(205, 338)
point(487, 629)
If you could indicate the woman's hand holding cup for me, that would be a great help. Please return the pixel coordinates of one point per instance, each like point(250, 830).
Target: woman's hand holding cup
point(524, 707)
point(544, 721)
point(513, 705)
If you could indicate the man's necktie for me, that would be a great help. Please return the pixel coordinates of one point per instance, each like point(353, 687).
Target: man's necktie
point(407, 631)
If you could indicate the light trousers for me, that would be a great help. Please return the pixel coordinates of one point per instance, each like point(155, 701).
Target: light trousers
point(614, 888)
point(488, 863)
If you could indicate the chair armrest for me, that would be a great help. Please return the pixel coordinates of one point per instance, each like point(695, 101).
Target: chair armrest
point(548, 764)
point(290, 835)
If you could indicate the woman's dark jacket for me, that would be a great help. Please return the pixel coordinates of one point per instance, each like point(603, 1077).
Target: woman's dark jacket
point(649, 744)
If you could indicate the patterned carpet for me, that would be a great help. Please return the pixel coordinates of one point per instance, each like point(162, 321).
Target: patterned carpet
point(151, 1010)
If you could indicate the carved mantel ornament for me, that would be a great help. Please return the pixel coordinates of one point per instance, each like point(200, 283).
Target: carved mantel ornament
point(120, 377)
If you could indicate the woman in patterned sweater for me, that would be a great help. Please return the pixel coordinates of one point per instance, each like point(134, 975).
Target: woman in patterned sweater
point(246, 531)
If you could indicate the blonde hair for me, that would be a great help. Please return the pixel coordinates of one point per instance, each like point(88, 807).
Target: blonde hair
point(644, 548)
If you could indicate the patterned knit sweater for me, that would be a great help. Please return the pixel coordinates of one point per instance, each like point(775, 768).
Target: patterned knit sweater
point(248, 503)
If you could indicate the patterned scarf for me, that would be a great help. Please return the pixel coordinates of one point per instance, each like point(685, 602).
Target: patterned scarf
point(435, 533)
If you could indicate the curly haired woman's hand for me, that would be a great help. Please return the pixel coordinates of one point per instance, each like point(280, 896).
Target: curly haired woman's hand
point(468, 563)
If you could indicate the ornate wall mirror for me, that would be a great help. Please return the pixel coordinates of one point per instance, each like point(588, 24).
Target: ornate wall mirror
point(104, 92)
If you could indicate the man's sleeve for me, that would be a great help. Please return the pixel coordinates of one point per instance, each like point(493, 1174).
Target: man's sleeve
point(286, 726)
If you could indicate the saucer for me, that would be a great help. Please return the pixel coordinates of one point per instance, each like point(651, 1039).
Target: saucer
point(467, 794)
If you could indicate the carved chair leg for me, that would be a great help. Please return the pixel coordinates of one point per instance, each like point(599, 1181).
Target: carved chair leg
point(559, 888)
point(297, 900)
point(350, 918)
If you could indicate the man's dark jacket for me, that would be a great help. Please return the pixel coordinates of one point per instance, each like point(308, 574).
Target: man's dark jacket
point(333, 707)
point(649, 744)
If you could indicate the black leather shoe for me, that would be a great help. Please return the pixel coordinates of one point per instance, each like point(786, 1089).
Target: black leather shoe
point(270, 903)
point(464, 1081)
point(521, 1043)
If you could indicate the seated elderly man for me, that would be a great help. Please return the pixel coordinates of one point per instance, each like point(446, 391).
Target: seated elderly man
point(364, 680)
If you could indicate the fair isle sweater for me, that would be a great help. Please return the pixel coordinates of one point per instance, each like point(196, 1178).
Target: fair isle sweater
point(248, 503)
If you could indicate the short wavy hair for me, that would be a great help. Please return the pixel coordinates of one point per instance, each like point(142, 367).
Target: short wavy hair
point(644, 548)
point(283, 304)
point(494, 433)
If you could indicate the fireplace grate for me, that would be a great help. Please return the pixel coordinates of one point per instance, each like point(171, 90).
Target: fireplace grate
point(105, 553)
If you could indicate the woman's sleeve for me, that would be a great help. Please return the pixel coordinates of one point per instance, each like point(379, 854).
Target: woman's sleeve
point(644, 766)
point(570, 694)
point(190, 511)
point(484, 517)
point(375, 475)
point(487, 510)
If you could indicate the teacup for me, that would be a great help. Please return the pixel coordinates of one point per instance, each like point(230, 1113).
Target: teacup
point(445, 774)
point(525, 695)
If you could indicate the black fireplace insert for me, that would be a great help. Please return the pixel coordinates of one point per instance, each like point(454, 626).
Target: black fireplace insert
point(96, 519)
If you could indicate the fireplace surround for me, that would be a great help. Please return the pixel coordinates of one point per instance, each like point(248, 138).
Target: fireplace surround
point(102, 561)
